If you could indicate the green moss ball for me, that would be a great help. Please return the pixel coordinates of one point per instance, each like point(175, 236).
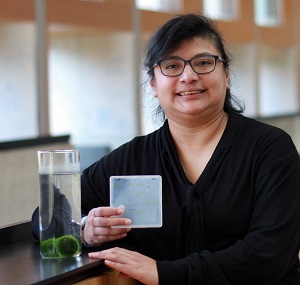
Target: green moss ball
point(47, 248)
point(67, 246)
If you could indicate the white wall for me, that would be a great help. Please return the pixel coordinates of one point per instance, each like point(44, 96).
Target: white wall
point(92, 88)
point(266, 79)
point(243, 76)
point(18, 102)
point(19, 188)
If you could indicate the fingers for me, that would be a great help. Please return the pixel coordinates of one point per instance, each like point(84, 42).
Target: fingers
point(116, 257)
point(129, 263)
point(100, 239)
point(107, 217)
point(113, 254)
point(108, 211)
point(102, 225)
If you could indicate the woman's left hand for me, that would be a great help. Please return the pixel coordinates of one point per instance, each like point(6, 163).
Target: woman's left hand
point(130, 264)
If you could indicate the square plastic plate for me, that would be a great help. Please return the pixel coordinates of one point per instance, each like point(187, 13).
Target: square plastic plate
point(142, 197)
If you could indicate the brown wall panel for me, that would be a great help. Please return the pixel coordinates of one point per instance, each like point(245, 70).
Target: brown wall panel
point(109, 15)
point(16, 10)
point(242, 29)
point(282, 35)
point(150, 20)
point(191, 6)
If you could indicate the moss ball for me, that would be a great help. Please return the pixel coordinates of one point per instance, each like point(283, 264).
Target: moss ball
point(47, 248)
point(67, 246)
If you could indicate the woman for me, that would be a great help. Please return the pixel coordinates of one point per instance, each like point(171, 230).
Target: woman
point(231, 212)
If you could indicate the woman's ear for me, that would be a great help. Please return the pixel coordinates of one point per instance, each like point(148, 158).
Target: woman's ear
point(227, 80)
point(153, 86)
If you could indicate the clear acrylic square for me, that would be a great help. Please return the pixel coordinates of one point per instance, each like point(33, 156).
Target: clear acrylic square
point(142, 197)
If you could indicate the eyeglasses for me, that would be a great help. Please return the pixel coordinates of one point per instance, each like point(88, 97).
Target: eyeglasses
point(200, 64)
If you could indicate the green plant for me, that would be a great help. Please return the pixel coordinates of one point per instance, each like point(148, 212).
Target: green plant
point(47, 248)
point(67, 246)
point(64, 246)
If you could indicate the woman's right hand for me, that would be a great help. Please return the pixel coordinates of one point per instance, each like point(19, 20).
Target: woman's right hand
point(99, 224)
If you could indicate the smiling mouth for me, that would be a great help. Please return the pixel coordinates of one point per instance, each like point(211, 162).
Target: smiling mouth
point(191, 92)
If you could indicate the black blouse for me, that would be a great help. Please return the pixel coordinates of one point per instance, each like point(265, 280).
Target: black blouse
point(238, 224)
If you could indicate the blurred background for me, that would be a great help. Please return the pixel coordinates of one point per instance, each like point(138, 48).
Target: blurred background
point(74, 67)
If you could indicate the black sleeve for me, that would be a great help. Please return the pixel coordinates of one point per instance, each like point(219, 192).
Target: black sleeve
point(35, 224)
point(94, 187)
point(62, 212)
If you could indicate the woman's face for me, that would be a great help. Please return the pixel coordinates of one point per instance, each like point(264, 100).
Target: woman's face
point(191, 95)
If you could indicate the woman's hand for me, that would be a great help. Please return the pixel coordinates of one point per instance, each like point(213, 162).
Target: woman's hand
point(98, 227)
point(130, 264)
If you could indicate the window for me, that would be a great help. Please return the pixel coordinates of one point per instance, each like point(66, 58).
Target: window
point(18, 106)
point(278, 87)
point(159, 5)
point(268, 13)
point(221, 9)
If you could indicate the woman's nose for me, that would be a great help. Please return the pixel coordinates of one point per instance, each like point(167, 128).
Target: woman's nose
point(188, 74)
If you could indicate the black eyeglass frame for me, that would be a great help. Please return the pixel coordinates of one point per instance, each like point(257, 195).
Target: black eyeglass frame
point(189, 61)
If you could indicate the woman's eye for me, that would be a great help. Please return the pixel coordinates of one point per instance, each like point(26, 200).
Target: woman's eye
point(171, 66)
point(204, 62)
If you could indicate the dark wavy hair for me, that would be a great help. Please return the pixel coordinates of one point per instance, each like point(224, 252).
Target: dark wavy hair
point(170, 36)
